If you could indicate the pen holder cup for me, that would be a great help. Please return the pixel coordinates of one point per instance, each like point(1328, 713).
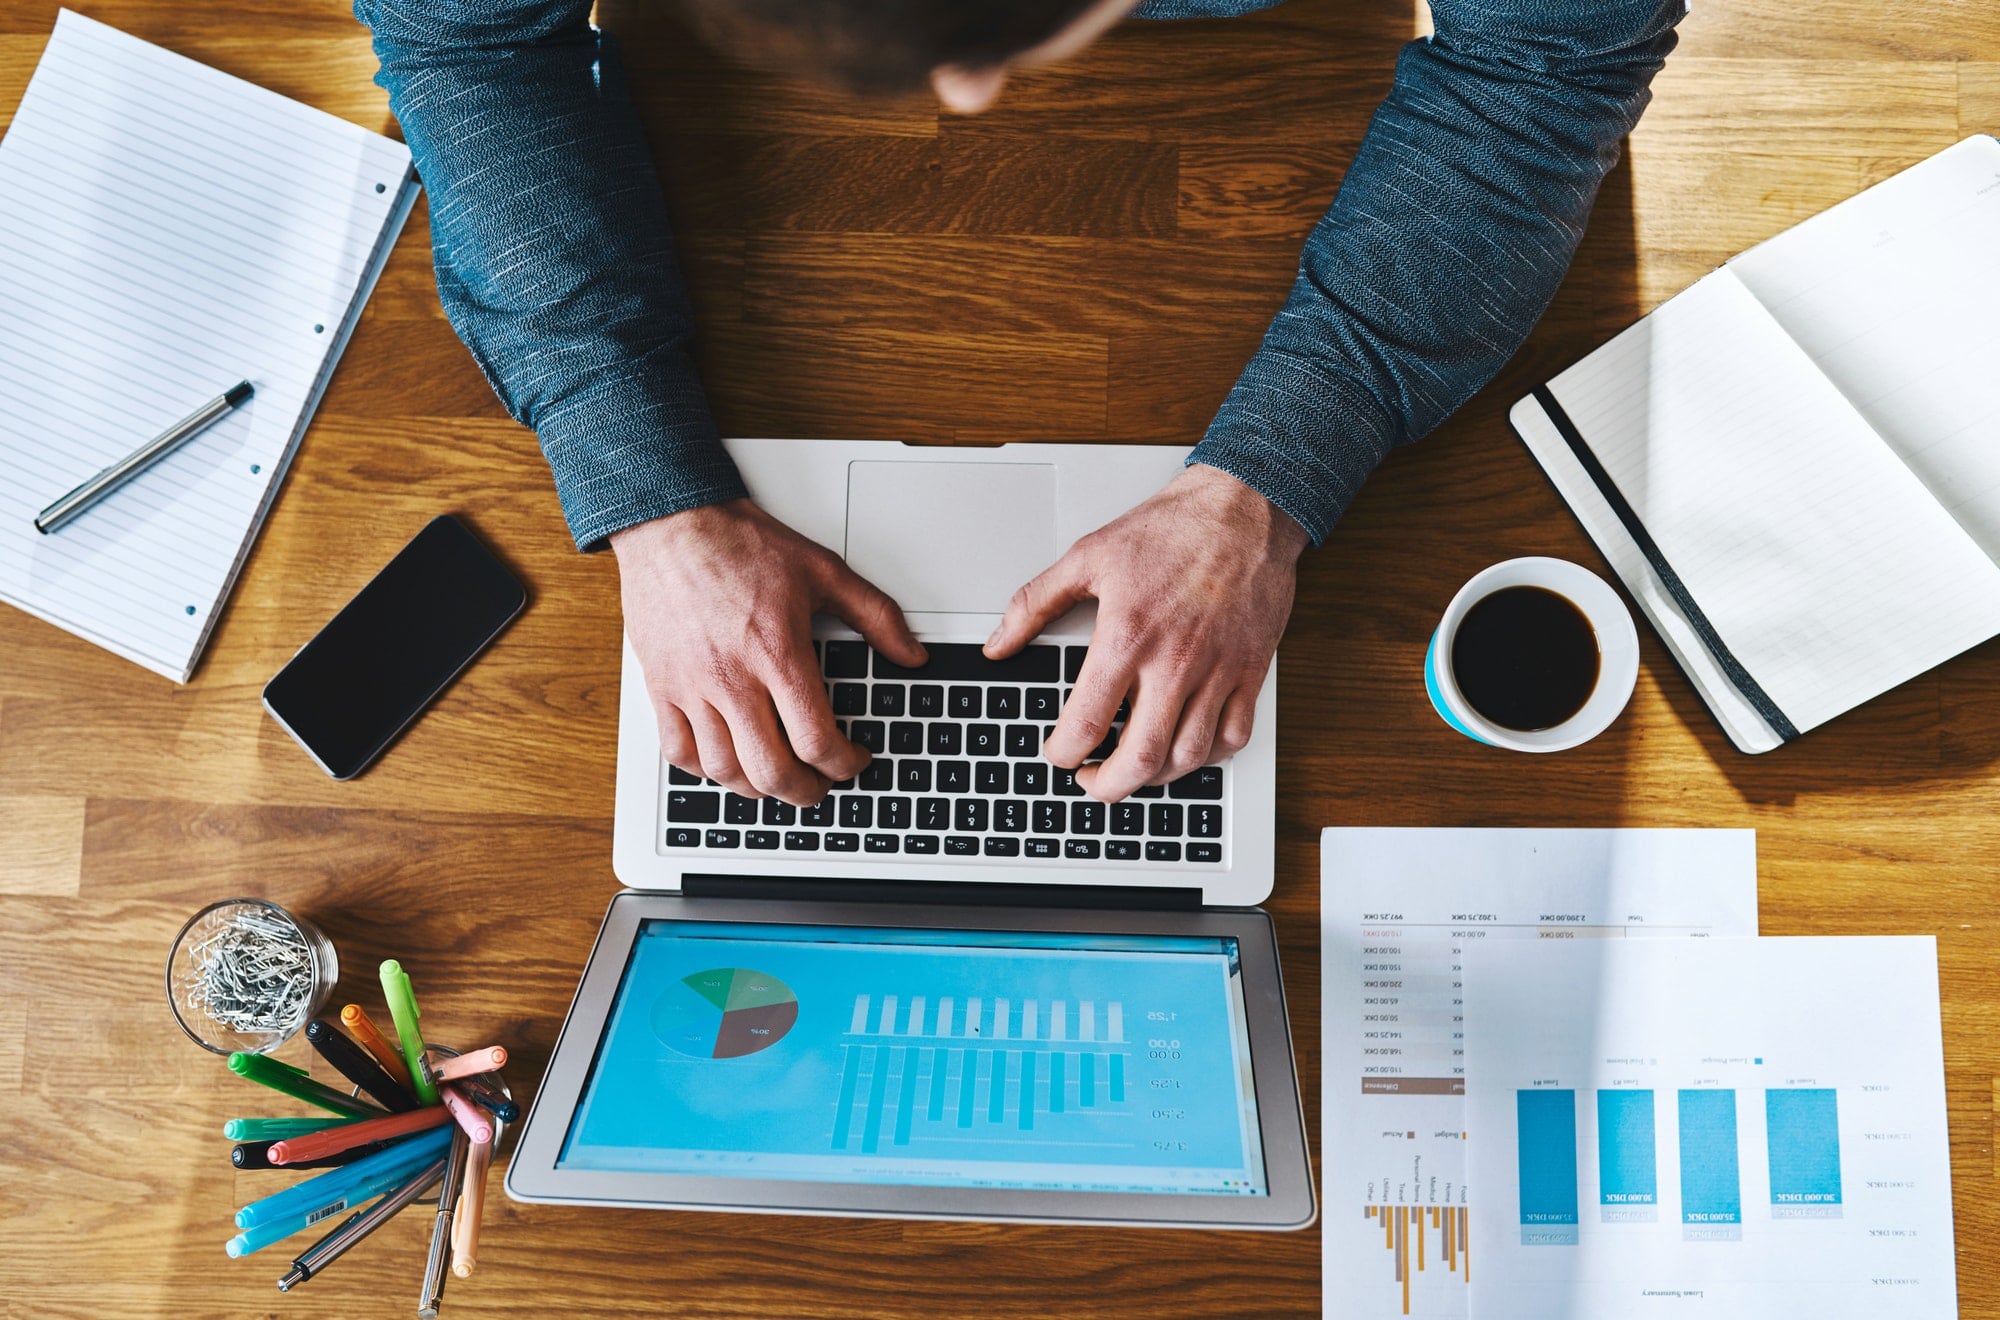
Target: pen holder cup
point(247, 975)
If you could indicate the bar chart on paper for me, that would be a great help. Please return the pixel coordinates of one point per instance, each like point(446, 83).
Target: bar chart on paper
point(1743, 1127)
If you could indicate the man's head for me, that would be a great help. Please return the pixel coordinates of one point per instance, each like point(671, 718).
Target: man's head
point(961, 49)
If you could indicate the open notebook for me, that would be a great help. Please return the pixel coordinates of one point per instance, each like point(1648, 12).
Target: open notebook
point(166, 231)
point(1794, 465)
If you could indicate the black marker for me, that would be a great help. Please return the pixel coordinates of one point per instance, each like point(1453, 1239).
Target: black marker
point(358, 1067)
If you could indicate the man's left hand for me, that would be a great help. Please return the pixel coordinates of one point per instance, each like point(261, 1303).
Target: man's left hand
point(1193, 589)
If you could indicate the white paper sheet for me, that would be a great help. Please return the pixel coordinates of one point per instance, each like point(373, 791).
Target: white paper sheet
point(1730, 1128)
point(1397, 909)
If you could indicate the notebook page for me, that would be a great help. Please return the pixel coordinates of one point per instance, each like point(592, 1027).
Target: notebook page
point(165, 231)
point(1822, 562)
point(1894, 294)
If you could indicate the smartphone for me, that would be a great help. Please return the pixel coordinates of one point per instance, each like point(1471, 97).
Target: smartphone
point(394, 648)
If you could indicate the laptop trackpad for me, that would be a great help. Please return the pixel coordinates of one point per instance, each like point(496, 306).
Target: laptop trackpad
point(954, 538)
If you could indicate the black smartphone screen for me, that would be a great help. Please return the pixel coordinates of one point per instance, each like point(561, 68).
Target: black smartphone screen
point(394, 647)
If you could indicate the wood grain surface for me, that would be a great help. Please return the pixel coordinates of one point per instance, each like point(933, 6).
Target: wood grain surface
point(1091, 261)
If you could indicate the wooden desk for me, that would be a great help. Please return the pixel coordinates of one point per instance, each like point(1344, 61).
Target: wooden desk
point(1092, 261)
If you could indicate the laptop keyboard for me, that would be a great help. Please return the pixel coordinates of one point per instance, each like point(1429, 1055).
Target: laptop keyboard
point(958, 773)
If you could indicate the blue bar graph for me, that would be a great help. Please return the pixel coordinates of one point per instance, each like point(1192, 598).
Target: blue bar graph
point(1545, 1122)
point(968, 1078)
point(878, 1083)
point(940, 1065)
point(1027, 1090)
point(1057, 1083)
point(850, 1080)
point(907, 1088)
point(1802, 1129)
point(1086, 1079)
point(906, 1102)
point(1628, 1175)
point(996, 1108)
point(1711, 1191)
point(1117, 1079)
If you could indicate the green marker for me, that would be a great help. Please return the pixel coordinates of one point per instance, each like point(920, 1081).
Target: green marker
point(275, 1129)
point(403, 1010)
point(283, 1077)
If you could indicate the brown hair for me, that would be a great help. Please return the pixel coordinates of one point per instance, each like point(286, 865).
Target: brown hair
point(879, 46)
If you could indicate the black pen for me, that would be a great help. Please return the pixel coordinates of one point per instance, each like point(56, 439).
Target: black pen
point(257, 1155)
point(357, 1226)
point(358, 1067)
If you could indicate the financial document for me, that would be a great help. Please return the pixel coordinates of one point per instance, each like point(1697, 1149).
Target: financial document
point(1398, 910)
point(1734, 1128)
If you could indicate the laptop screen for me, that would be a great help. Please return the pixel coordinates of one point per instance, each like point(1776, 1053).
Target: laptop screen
point(980, 1059)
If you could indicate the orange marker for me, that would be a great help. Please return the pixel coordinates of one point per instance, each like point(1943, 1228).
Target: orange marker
point(477, 1126)
point(333, 1140)
point(490, 1059)
point(374, 1042)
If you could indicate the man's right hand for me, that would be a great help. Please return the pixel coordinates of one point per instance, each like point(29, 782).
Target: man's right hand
point(719, 603)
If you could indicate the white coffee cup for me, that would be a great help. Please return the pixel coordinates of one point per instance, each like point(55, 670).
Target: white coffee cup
point(1617, 649)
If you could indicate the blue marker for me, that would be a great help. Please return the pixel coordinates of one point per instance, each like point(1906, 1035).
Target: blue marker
point(275, 1230)
point(335, 1184)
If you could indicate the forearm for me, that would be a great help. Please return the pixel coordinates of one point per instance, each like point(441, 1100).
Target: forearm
point(1453, 228)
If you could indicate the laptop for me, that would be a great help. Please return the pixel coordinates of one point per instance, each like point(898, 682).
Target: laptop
point(959, 987)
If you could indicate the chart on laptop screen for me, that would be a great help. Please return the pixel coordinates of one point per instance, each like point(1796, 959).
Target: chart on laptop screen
point(1110, 1063)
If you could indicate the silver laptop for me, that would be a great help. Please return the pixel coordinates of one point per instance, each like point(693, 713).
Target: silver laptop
point(958, 790)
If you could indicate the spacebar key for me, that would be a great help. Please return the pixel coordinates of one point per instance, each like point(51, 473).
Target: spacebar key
point(965, 662)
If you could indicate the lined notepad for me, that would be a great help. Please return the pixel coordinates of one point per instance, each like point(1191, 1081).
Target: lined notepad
point(1794, 465)
point(165, 231)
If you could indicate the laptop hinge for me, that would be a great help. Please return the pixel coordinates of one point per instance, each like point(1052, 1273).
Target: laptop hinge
point(791, 888)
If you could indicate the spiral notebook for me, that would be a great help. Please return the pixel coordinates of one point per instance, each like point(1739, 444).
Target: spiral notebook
point(166, 231)
point(1794, 465)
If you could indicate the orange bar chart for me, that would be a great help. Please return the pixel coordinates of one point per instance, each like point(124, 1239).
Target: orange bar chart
point(1448, 1222)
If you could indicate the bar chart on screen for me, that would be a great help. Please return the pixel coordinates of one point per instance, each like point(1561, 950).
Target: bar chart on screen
point(1742, 1127)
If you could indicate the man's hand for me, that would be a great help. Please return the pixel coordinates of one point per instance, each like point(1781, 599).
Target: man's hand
point(719, 603)
point(1193, 588)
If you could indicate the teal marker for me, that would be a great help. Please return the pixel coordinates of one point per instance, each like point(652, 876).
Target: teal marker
point(298, 1221)
point(276, 1129)
point(403, 1009)
point(332, 1185)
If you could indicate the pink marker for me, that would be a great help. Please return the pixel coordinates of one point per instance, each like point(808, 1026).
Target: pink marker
point(477, 1126)
point(490, 1059)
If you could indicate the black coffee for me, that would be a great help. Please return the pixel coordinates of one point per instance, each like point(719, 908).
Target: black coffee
point(1525, 658)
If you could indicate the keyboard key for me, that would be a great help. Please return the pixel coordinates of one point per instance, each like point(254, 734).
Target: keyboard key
point(761, 838)
point(1063, 782)
point(1050, 818)
point(919, 843)
point(906, 738)
point(878, 776)
point(683, 838)
point(893, 813)
point(1121, 850)
point(913, 776)
point(872, 734)
point(1086, 817)
point(1159, 850)
point(1010, 816)
point(1165, 820)
point(927, 701)
point(723, 839)
point(801, 841)
point(844, 785)
point(1080, 849)
point(966, 662)
point(947, 739)
point(990, 777)
point(962, 703)
point(881, 843)
point(843, 843)
point(694, 808)
point(1150, 791)
point(934, 814)
point(1043, 704)
point(886, 699)
point(850, 699)
point(1204, 822)
point(819, 814)
point(996, 847)
point(1128, 818)
point(1203, 783)
point(1043, 848)
point(779, 813)
point(971, 815)
point(1023, 740)
point(1031, 778)
point(1103, 750)
point(847, 659)
point(982, 740)
point(1204, 852)
point(954, 776)
point(957, 845)
point(680, 777)
point(1003, 703)
point(856, 812)
point(1073, 662)
point(739, 810)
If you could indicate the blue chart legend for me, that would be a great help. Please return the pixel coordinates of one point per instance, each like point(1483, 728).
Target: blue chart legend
point(1546, 1123)
point(992, 1064)
point(1628, 1171)
point(1711, 1187)
point(1803, 1127)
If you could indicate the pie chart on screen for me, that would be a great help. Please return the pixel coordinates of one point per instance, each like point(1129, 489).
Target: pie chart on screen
point(724, 1013)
